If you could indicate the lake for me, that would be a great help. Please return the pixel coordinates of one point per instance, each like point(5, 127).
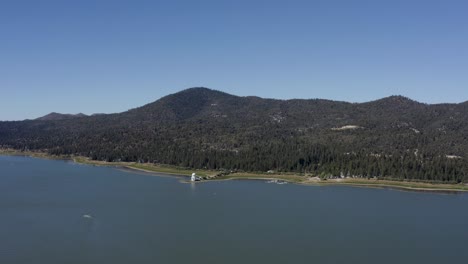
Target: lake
point(61, 212)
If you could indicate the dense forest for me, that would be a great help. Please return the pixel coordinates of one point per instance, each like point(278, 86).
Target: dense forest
point(391, 138)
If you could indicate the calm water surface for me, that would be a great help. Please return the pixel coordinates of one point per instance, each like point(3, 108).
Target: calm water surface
point(138, 218)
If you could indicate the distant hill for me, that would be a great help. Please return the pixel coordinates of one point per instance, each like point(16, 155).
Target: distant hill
point(58, 116)
point(394, 137)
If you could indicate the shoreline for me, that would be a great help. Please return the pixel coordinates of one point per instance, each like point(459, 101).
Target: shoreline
point(173, 171)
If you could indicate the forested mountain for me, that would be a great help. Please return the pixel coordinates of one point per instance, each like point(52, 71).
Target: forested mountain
point(393, 137)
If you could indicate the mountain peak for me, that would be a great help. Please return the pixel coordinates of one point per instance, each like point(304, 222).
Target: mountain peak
point(200, 91)
point(398, 98)
point(194, 97)
point(59, 116)
point(395, 100)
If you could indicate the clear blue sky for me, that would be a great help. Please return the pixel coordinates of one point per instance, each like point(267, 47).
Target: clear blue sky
point(110, 56)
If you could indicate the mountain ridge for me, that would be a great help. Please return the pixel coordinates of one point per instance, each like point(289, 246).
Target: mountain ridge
point(210, 92)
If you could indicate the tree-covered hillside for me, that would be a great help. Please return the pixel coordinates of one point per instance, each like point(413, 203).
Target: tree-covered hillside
point(393, 137)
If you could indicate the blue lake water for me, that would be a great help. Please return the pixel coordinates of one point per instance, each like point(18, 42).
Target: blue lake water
point(140, 218)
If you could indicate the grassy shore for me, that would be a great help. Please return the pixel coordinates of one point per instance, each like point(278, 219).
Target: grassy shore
point(147, 167)
point(216, 175)
point(374, 183)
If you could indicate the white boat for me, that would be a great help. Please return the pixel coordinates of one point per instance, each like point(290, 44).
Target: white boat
point(194, 177)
